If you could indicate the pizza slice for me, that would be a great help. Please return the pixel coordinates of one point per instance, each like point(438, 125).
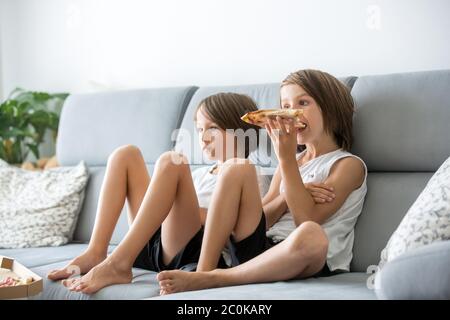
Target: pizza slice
point(13, 281)
point(260, 117)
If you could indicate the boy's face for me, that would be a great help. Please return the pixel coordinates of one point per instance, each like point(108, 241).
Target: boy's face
point(213, 139)
point(295, 97)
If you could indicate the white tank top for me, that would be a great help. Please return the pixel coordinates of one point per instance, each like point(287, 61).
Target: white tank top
point(205, 182)
point(340, 226)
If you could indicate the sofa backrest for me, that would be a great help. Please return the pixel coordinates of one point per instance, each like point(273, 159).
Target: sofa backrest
point(401, 131)
point(93, 125)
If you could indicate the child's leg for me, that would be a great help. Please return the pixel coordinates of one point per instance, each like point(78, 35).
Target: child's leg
point(301, 255)
point(235, 209)
point(126, 176)
point(171, 194)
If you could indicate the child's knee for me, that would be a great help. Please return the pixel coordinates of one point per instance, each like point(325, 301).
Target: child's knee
point(125, 152)
point(309, 239)
point(238, 167)
point(237, 161)
point(172, 159)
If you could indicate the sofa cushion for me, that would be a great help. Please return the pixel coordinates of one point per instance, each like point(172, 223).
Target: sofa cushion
point(339, 287)
point(144, 285)
point(427, 220)
point(93, 125)
point(422, 273)
point(401, 132)
point(389, 195)
point(401, 121)
point(35, 257)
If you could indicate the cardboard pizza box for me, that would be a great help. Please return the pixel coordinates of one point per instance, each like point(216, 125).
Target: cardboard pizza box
point(11, 268)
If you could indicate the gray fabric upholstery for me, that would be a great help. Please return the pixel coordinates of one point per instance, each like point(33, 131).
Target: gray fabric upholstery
point(389, 196)
point(143, 285)
point(41, 256)
point(401, 121)
point(93, 125)
point(339, 287)
point(422, 273)
point(400, 129)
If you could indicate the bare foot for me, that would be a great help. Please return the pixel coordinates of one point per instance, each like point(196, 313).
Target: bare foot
point(80, 265)
point(105, 274)
point(176, 281)
point(70, 281)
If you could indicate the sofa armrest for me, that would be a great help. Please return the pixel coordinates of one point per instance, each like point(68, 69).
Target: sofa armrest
point(423, 273)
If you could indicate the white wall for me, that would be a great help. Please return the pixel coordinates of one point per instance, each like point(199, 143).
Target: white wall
point(89, 45)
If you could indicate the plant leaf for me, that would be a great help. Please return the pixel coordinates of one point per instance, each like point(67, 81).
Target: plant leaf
point(24, 118)
point(2, 152)
point(34, 149)
point(17, 151)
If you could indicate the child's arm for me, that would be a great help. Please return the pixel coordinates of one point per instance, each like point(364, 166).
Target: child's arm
point(275, 205)
point(274, 210)
point(345, 176)
point(320, 192)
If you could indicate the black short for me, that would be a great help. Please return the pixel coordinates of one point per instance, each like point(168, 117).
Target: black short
point(250, 247)
point(150, 258)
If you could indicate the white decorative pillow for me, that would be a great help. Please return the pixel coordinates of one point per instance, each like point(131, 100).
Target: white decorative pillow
point(428, 219)
point(40, 208)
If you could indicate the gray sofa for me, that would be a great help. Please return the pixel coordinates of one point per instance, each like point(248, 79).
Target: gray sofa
point(401, 131)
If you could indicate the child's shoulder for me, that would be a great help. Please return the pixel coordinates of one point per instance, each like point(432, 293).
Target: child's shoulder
point(351, 166)
point(352, 160)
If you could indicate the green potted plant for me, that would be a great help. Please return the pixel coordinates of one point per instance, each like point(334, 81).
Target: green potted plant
point(25, 116)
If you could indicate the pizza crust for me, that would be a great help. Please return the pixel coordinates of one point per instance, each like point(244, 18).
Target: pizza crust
point(261, 117)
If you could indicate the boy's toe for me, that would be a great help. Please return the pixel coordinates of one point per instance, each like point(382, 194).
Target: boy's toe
point(163, 275)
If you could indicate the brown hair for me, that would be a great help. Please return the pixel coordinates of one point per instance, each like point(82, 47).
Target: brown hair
point(334, 100)
point(226, 109)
